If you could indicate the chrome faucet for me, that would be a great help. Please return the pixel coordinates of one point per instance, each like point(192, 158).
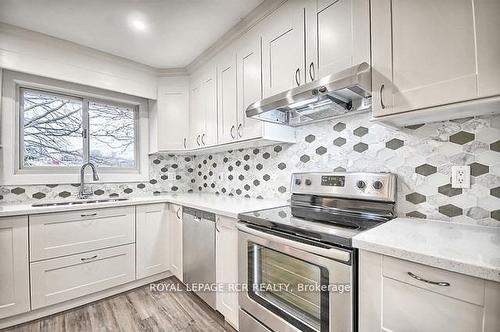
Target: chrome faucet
point(84, 191)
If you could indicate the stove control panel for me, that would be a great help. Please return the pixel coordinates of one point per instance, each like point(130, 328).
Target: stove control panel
point(372, 186)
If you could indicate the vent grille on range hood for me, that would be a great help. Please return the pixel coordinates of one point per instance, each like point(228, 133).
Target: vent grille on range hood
point(339, 94)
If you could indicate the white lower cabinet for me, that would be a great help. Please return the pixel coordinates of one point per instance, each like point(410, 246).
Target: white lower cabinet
point(67, 233)
point(227, 268)
point(61, 279)
point(14, 273)
point(152, 240)
point(175, 221)
point(399, 296)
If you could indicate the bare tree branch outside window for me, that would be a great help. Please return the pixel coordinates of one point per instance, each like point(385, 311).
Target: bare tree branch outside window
point(53, 125)
point(52, 130)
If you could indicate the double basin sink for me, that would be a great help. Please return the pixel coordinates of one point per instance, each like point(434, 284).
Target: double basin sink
point(78, 202)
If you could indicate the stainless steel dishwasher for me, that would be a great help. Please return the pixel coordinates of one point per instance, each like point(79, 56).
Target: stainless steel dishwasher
point(198, 245)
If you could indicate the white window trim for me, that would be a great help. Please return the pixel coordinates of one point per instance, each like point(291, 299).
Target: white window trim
point(12, 174)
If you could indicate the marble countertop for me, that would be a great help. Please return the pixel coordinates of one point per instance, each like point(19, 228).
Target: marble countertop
point(229, 206)
point(468, 249)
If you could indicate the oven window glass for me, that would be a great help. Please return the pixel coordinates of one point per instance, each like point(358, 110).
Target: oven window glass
point(289, 287)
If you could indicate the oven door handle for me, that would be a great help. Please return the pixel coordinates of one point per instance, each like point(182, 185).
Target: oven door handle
point(334, 253)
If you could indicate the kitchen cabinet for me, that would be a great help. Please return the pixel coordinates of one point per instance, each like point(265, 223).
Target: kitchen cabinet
point(175, 240)
point(169, 115)
point(196, 114)
point(227, 268)
point(392, 300)
point(249, 83)
point(64, 278)
point(152, 240)
point(65, 233)
point(14, 271)
point(338, 36)
point(227, 96)
point(283, 48)
point(431, 53)
point(203, 116)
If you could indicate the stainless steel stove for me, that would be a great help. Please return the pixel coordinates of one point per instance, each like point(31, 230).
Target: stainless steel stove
point(307, 246)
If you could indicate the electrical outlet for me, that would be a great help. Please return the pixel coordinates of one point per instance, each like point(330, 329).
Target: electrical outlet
point(460, 176)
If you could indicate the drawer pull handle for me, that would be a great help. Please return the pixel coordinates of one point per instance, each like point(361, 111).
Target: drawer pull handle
point(382, 96)
point(177, 213)
point(89, 215)
point(85, 259)
point(438, 283)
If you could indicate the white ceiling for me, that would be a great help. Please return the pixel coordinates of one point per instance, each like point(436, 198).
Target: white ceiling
point(159, 33)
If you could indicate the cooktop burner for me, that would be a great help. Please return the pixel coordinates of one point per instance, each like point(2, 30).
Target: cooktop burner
point(331, 207)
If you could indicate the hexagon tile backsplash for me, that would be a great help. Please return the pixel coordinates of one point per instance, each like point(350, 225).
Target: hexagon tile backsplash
point(421, 156)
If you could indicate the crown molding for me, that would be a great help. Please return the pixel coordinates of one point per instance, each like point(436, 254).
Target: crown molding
point(172, 72)
point(245, 24)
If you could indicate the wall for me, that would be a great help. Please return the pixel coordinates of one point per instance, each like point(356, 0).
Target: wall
point(421, 156)
point(38, 54)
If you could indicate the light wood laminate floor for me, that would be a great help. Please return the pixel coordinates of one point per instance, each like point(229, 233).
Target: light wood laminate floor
point(139, 309)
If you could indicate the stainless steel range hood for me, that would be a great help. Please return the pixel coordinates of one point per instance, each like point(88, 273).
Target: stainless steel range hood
point(339, 94)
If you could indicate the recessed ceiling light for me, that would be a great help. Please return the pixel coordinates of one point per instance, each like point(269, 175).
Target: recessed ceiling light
point(137, 22)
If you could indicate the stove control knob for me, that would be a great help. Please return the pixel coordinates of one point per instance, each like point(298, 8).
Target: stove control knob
point(378, 185)
point(308, 182)
point(361, 184)
point(298, 182)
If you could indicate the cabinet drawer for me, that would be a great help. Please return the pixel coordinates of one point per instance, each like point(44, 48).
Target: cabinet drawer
point(66, 233)
point(61, 279)
point(461, 287)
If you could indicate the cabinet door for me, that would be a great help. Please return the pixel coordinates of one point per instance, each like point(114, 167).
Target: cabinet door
point(152, 243)
point(14, 272)
point(173, 114)
point(283, 48)
point(249, 75)
point(209, 99)
point(175, 218)
point(227, 109)
point(343, 32)
point(488, 46)
point(227, 268)
point(196, 115)
point(423, 54)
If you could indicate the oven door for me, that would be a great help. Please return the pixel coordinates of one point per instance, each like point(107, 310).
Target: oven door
point(294, 285)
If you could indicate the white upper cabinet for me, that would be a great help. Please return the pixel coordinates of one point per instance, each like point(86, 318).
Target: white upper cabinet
point(227, 96)
point(249, 76)
point(342, 32)
point(14, 272)
point(209, 105)
point(488, 46)
point(169, 118)
point(431, 53)
point(196, 114)
point(283, 48)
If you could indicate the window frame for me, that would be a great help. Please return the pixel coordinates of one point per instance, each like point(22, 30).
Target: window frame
point(13, 172)
point(85, 131)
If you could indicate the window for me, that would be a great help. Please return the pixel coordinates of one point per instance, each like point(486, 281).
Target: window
point(49, 128)
point(64, 131)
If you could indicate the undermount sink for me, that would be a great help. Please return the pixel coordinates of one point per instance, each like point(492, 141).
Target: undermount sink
point(105, 200)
